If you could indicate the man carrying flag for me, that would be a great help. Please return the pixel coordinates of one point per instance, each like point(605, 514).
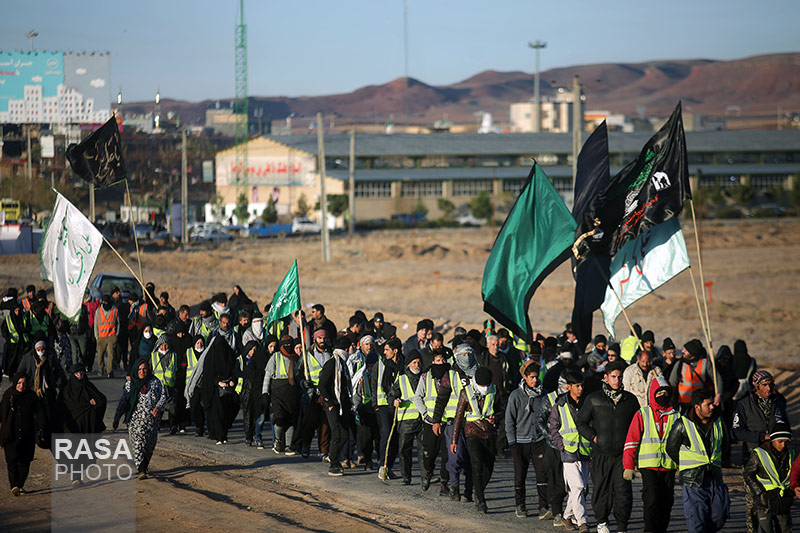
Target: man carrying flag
point(534, 240)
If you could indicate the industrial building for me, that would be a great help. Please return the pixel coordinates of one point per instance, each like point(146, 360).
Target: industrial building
point(393, 173)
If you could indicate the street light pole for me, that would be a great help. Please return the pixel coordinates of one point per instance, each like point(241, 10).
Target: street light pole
point(351, 189)
point(184, 191)
point(537, 104)
point(577, 125)
point(31, 35)
point(323, 200)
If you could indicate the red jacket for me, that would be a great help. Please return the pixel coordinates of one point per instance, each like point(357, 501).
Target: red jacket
point(631, 450)
point(794, 474)
point(91, 306)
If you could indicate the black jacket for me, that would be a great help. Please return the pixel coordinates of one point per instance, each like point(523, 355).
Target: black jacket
point(327, 386)
point(753, 469)
point(678, 437)
point(749, 423)
point(600, 418)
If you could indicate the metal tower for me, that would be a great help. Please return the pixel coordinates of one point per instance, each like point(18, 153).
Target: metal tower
point(241, 106)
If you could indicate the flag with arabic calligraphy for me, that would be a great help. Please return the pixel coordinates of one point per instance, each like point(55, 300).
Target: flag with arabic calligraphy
point(287, 297)
point(643, 265)
point(648, 191)
point(98, 159)
point(68, 253)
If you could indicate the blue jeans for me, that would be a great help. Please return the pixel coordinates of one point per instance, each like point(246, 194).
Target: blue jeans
point(259, 426)
point(458, 463)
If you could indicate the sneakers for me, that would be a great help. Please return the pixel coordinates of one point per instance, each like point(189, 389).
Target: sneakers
point(406, 481)
point(142, 476)
point(583, 528)
point(382, 473)
point(444, 489)
point(392, 475)
point(15, 491)
point(426, 481)
point(558, 521)
point(260, 445)
point(548, 515)
point(290, 451)
point(219, 442)
point(335, 470)
point(522, 512)
point(324, 457)
point(603, 528)
point(455, 494)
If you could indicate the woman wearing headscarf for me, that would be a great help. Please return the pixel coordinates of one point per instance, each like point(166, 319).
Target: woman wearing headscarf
point(254, 362)
point(218, 389)
point(237, 302)
point(147, 342)
point(724, 362)
point(744, 366)
point(84, 406)
point(18, 430)
point(281, 385)
point(142, 404)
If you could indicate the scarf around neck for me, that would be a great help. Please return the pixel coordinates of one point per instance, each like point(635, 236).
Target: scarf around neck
point(614, 395)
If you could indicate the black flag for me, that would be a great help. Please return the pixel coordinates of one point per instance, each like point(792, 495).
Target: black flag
point(648, 191)
point(591, 178)
point(98, 159)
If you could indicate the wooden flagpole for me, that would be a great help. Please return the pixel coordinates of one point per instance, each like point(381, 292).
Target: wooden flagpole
point(133, 228)
point(705, 302)
point(144, 291)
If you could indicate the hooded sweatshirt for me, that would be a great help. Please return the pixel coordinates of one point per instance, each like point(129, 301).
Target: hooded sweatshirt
point(631, 450)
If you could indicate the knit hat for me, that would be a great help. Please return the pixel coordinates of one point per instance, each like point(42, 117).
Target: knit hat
point(319, 333)
point(550, 342)
point(483, 376)
point(759, 376)
point(535, 349)
point(412, 355)
point(205, 306)
point(648, 336)
point(668, 344)
point(695, 349)
point(598, 339)
point(779, 431)
point(378, 317)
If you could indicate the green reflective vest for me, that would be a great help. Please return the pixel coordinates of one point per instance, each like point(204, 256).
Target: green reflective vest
point(488, 405)
point(37, 326)
point(573, 441)
point(281, 366)
point(12, 331)
point(200, 327)
point(314, 368)
point(652, 448)
point(695, 455)
point(774, 480)
point(158, 332)
point(164, 367)
point(452, 402)
point(430, 396)
point(240, 378)
point(406, 410)
point(379, 389)
point(191, 363)
point(627, 348)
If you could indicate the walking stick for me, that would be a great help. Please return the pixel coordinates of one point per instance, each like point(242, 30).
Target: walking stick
point(389, 443)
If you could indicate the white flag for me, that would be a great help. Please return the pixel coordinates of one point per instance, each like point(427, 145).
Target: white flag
point(643, 265)
point(69, 251)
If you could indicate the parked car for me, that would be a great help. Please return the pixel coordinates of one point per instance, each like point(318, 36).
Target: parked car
point(212, 235)
point(260, 230)
point(104, 281)
point(304, 225)
point(765, 210)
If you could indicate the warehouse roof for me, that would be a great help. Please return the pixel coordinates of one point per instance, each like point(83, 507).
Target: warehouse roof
point(515, 144)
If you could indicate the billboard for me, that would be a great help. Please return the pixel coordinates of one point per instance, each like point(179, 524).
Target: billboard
point(54, 87)
point(268, 170)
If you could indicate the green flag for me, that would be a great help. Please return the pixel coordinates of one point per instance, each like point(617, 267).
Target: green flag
point(535, 238)
point(287, 297)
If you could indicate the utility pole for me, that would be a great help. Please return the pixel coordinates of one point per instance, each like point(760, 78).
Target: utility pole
point(29, 162)
point(537, 103)
point(323, 199)
point(184, 192)
point(577, 125)
point(351, 189)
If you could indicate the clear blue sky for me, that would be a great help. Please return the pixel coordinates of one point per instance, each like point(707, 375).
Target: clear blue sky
point(321, 47)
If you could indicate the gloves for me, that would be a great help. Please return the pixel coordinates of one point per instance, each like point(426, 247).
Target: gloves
point(627, 474)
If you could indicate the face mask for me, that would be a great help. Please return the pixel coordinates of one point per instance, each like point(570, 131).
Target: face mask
point(438, 370)
point(258, 328)
point(41, 353)
point(198, 350)
point(106, 306)
point(662, 400)
point(163, 350)
point(148, 334)
point(482, 390)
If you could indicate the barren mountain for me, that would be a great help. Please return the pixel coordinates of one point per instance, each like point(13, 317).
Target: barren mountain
point(758, 85)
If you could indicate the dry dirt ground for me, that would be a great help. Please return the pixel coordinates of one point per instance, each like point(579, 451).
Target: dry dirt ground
point(754, 267)
point(409, 275)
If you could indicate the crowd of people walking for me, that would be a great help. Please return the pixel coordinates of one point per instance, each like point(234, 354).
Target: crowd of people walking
point(572, 413)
